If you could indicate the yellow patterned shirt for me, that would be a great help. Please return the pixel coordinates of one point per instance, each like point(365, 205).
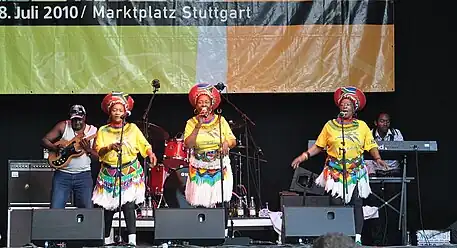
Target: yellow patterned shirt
point(134, 142)
point(357, 138)
point(208, 135)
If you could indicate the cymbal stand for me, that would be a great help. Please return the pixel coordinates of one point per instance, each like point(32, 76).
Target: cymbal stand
point(257, 153)
point(238, 175)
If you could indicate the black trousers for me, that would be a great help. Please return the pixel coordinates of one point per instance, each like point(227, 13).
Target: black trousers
point(129, 215)
point(357, 203)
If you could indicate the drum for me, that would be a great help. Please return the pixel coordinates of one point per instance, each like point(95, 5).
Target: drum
point(174, 188)
point(157, 179)
point(175, 154)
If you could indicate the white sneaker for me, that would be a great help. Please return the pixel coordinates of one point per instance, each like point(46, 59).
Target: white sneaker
point(108, 241)
point(132, 239)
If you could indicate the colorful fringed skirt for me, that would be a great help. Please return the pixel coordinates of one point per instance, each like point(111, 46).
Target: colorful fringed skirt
point(331, 177)
point(203, 187)
point(106, 191)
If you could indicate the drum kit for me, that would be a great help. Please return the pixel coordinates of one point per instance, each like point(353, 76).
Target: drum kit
point(165, 183)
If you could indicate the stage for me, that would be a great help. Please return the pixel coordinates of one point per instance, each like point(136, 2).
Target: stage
point(259, 246)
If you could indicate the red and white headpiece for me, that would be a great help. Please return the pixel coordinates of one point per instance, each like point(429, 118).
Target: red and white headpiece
point(117, 97)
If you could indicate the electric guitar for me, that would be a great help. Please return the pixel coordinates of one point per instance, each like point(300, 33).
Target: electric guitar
point(71, 149)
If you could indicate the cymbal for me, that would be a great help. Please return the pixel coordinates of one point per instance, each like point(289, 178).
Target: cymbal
point(248, 157)
point(155, 133)
point(235, 125)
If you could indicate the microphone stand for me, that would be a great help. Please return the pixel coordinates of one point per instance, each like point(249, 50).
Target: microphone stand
point(119, 176)
point(156, 85)
point(343, 143)
point(220, 87)
point(222, 170)
point(219, 111)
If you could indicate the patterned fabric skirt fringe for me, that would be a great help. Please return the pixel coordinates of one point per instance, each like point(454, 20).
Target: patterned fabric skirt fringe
point(203, 187)
point(106, 191)
point(331, 178)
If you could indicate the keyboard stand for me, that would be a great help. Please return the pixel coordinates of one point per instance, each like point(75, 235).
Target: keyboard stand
point(402, 211)
point(387, 203)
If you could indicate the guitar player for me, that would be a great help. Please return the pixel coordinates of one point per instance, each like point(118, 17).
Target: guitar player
point(76, 177)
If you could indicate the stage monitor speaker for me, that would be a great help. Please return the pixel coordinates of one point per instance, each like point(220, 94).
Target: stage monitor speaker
point(303, 182)
point(30, 183)
point(19, 226)
point(311, 222)
point(317, 201)
point(196, 226)
point(73, 227)
point(290, 199)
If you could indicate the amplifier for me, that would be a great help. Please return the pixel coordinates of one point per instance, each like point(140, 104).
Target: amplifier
point(30, 183)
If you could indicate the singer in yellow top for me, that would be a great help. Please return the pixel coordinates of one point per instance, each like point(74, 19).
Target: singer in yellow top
point(202, 134)
point(357, 139)
point(109, 145)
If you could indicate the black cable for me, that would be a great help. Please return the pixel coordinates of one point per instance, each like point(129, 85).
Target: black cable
point(384, 235)
point(419, 196)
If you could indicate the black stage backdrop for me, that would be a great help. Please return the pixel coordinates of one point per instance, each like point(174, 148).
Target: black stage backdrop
point(420, 108)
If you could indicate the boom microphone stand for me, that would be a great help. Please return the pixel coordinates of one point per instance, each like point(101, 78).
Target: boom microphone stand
point(246, 119)
point(156, 85)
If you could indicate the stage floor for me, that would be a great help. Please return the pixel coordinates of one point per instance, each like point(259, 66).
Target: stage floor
point(265, 246)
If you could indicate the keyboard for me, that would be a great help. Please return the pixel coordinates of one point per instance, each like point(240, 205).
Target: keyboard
point(408, 146)
point(402, 146)
point(389, 179)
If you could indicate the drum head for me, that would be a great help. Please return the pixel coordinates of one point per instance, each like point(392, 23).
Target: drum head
point(174, 188)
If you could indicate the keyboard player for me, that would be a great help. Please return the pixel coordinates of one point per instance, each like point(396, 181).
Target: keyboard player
point(383, 231)
point(383, 132)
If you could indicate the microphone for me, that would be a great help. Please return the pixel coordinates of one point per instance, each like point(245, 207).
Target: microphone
point(127, 114)
point(342, 114)
point(219, 86)
point(155, 83)
point(204, 112)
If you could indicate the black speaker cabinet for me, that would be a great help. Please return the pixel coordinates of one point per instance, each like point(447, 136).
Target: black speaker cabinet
point(197, 226)
point(303, 182)
point(30, 183)
point(307, 222)
point(19, 226)
point(290, 200)
point(75, 227)
point(317, 201)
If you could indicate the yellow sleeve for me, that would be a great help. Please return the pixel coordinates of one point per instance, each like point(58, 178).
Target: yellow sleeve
point(369, 141)
point(99, 140)
point(323, 137)
point(141, 141)
point(226, 130)
point(190, 125)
